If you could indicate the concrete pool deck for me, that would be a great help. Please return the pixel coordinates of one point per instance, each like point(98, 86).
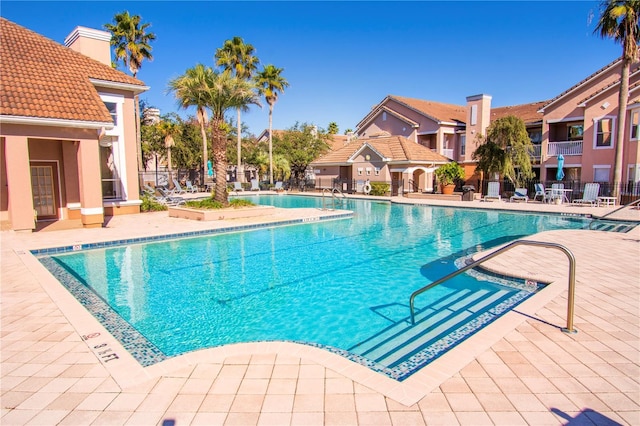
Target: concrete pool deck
point(520, 370)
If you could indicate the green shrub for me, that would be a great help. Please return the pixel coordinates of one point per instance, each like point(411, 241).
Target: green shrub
point(211, 204)
point(379, 188)
point(239, 202)
point(150, 204)
point(449, 173)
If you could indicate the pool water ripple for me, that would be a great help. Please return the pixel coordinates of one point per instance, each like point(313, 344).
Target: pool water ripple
point(333, 284)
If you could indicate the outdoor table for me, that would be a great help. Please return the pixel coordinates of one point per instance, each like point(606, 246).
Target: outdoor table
point(607, 201)
point(551, 192)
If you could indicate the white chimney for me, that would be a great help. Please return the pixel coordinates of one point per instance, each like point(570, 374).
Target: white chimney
point(92, 43)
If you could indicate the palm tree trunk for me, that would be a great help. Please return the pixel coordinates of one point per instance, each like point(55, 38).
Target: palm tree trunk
point(203, 133)
point(169, 167)
point(219, 155)
point(622, 112)
point(270, 144)
point(239, 170)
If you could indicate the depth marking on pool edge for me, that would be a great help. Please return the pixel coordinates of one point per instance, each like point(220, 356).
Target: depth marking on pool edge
point(102, 350)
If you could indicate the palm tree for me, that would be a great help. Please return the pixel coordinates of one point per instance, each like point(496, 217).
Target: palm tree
point(619, 21)
point(225, 92)
point(237, 57)
point(270, 83)
point(193, 89)
point(168, 130)
point(131, 43)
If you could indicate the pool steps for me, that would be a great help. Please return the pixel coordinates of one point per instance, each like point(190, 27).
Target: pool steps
point(612, 227)
point(435, 322)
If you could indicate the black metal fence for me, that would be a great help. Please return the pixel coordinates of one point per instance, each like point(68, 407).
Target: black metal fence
point(629, 191)
point(161, 177)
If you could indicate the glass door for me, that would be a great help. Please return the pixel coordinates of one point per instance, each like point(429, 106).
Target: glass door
point(44, 191)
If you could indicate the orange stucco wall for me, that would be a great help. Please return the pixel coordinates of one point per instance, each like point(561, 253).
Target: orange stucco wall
point(75, 152)
point(573, 107)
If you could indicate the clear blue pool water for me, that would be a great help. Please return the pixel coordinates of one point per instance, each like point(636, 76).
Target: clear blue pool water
point(342, 284)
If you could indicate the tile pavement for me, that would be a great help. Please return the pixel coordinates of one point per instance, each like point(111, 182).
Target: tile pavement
point(522, 370)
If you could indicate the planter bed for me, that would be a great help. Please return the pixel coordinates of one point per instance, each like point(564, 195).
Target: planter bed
point(220, 214)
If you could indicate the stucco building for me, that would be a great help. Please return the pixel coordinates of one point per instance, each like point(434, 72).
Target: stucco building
point(579, 123)
point(67, 129)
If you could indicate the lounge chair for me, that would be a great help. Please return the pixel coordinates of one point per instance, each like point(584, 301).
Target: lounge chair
point(590, 194)
point(493, 191)
point(278, 186)
point(167, 198)
point(162, 196)
point(191, 187)
point(540, 192)
point(177, 189)
point(254, 185)
point(520, 194)
point(237, 187)
point(148, 190)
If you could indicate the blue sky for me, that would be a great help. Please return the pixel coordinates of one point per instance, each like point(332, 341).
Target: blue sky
point(342, 58)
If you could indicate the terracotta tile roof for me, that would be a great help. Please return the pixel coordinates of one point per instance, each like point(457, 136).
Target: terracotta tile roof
point(616, 62)
point(43, 79)
point(394, 148)
point(609, 86)
point(435, 110)
point(527, 112)
point(337, 141)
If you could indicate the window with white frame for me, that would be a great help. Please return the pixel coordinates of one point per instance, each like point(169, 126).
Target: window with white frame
point(574, 132)
point(113, 111)
point(601, 173)
point(463, 144)
point(635, 117)
point(360, 171)
point(634, 174)
point(112, 152)
point(474, 115)
point(368, 171)
point(604, 132)
point(377, 171)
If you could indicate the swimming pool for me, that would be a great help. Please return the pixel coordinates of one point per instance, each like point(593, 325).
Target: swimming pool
point(342, 285)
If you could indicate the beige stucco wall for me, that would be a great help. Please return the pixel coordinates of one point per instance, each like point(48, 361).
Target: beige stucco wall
point(482, 103)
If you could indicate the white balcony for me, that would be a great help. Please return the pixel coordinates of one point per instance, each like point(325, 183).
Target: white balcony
point(446, 152)
point(564, 148)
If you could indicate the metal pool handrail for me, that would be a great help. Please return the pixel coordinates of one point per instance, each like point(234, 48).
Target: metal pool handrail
point(572, 276)
point(332, 191)
point(612, 212)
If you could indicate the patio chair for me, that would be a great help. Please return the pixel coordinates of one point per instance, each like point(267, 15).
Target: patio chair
point(254, 185)
point(540, 192)
point(278, 186)
point(590, 195)
point(237, 187)
point(557, 192)
point(493, 191)
point(520, 194)
point(191, 187)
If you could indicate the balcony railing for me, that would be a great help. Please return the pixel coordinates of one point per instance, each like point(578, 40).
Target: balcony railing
point(537, 151)
point(564, 148)
point(446, 152)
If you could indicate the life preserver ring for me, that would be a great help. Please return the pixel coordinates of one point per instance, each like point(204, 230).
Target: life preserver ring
point(366, 188)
